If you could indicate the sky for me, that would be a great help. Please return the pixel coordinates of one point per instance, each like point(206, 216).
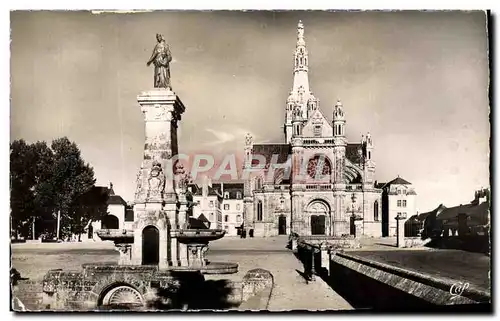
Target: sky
point(417, 81)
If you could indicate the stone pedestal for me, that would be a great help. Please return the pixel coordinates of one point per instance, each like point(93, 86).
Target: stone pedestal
point(358, 225)
point(156, 197)
point(125, 254)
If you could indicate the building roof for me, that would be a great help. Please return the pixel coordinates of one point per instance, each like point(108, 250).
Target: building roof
point(116, 200)
point(398, 181)
point(233, 189)
point(354, 153)
point(268, 150)
point(197, 190)
point(477, 212)
point(203, 218)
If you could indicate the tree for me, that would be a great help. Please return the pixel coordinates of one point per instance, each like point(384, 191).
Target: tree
point(29, 166)
point(46, 180)
point(88, 207)
point(71, 178)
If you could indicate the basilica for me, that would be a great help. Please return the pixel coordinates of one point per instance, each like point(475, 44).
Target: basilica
point(315, 182)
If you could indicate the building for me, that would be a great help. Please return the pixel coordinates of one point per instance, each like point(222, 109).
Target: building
point(398, 200)
point(315, 182)
point(207, 200)
point(221, 205)
point(232, 208)
point(472, 218)
point(120, 216)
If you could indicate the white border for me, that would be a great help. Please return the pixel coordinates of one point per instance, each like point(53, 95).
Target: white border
point(185, 4)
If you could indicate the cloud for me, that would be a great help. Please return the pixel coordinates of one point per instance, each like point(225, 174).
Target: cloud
point(221, 137)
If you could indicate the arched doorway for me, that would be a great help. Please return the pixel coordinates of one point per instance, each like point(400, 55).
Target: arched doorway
point(282, 225)
point(150, 246)
point(110, 222)
point(318, 211)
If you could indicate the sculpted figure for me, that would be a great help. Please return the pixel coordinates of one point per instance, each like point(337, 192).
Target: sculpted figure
point(161, 59)
point(156, 180)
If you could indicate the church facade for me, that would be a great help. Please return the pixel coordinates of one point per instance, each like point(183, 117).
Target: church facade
point(316, 182)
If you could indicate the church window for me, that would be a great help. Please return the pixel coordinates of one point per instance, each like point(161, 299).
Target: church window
point(259, 211)
point(258, 183)
point(317, 130)
point(375, 211)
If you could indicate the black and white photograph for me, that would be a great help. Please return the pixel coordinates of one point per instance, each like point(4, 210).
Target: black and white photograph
point(261, 160)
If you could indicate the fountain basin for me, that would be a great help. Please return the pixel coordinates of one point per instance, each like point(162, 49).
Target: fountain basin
point(122, 236)
point(198, 236)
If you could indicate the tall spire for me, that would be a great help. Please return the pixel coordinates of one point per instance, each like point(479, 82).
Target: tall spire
point(300, 70)
point(301, 98)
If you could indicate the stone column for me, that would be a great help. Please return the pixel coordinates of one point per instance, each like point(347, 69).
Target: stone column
point(340, 219)
point(155, 191)
point(400, 231)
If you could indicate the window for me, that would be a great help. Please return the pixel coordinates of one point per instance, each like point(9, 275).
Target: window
point(404, 203)
point(238, 207)
point(226, 218)
point(258, 183)
point(226, 195)
point(399, 192)
point(238, 218)
point(226, 207)
point(238, 195)
point(211, 203)
point(226, 228)
point(317, 130)
point(211, 217)
point(399, 203)
point(399, 213)
point(404, 192)
point(259, 211)
point(375, 211)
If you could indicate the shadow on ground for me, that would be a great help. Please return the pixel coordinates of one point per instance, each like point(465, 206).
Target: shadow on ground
point(196, 293)
point(472, 243)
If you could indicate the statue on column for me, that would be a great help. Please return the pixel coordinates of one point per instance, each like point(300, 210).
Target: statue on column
point(161, 59)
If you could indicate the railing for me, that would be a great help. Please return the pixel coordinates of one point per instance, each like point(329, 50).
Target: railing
point(319, 187)
point(317, 141)
point(354, 187)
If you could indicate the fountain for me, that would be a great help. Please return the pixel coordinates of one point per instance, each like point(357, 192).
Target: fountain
point(162, 249)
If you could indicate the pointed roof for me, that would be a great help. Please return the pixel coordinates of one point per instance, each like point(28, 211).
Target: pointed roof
point(398, 181)
point(203, 218)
